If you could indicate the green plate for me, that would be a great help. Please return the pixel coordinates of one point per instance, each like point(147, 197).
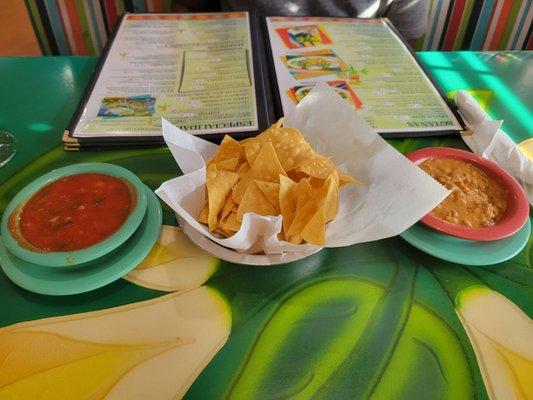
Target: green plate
point(467, 252)
point(63, 281)
point(68, 259)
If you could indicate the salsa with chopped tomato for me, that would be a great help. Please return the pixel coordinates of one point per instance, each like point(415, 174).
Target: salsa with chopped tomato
point(75, 212)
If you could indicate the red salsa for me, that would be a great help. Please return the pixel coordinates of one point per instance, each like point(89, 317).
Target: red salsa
point(75, 212)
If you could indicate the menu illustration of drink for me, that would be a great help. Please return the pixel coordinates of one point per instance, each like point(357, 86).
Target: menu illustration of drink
point(195, 70)
point(367, 65)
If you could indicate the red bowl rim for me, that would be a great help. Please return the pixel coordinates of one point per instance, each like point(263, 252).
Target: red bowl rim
point(517, 202)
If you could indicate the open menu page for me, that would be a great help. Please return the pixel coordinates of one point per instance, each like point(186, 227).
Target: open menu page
point(367, 65)
point(195, 70)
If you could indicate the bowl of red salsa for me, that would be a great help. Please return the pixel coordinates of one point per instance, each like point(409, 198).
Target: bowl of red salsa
point(74, 215)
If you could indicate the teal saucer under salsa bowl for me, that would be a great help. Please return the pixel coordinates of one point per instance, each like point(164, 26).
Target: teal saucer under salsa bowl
point(107, 269)
point(467, 252)
point(83, 256)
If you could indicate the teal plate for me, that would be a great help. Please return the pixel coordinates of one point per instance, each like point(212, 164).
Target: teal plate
point(64, 281)
point(467, 252)
point(69, 259)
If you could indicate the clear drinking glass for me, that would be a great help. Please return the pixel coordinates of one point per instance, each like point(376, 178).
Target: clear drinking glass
point(8, 147)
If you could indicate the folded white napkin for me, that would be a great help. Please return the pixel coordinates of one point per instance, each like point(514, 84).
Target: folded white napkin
point(490, 142)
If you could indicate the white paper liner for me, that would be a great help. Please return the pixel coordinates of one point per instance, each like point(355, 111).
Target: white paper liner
point(395, 195)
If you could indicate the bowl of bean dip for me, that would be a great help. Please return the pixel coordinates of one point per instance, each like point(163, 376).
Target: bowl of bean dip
point(486, 203)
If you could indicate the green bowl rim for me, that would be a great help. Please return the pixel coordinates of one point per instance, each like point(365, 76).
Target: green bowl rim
point(82, 256)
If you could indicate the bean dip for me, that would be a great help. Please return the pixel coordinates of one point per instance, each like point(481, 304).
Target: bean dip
point(476, 201)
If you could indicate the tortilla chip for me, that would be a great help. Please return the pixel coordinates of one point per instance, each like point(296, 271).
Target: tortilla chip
point(297, 176)
point(316, 183)
point(287, 202)
point(266, 167)
point(231, 224)
point(314, 231)
point(229, 164)
point(229, 148)
point(218, 184)
point(243, 169)
point(202, 217)
point(290, 146)
point(255, 201)
point(295, 239)
point(324, 201)
point(270, 190)
point(211, 172)
point(303, 192)
point(252, 149)
point(344, 179)
point(319, 167)
point(228, 206)
point(330, 191)
point(303, 215)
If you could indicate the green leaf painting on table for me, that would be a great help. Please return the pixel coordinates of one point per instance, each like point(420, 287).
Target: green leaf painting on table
point(363, 323)
point(377, 320)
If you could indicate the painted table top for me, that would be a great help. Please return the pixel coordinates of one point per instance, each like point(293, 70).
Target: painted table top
point(380, 320)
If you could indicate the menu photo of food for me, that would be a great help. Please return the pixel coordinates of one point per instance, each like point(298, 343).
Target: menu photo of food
point(135, 106)
point(311, 64)
point(343, 89)
point(304, 36)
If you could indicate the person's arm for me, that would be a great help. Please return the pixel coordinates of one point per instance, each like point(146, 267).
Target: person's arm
point(410, 17)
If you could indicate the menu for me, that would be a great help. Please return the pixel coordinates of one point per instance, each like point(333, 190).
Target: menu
point(207, 74)
point(195, 70)
point(366, 63)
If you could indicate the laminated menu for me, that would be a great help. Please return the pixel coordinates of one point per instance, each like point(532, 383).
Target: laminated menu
point(198, 71)
point(368, 65)
point(208, 74)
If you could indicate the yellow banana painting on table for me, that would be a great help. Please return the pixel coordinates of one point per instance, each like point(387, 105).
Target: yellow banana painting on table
point(148, 350)
point(174, 263)
point(502, 338)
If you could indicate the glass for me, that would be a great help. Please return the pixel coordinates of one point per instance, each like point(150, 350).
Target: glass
point(8, 147)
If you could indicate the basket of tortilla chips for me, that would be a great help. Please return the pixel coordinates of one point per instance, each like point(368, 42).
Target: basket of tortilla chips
point(274, 173)
point(320, 178)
